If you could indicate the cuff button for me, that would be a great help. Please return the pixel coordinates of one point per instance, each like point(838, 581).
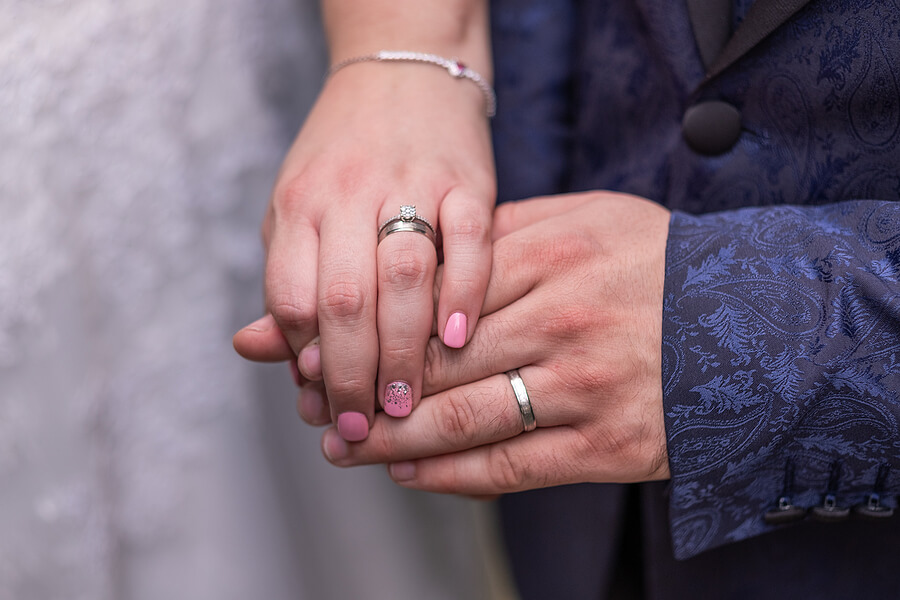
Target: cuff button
point(830, 511)
point(785, 512)
point(873, 509)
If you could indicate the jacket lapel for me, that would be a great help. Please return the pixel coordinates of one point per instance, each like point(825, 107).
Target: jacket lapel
point(711, 22)
point(763, 17)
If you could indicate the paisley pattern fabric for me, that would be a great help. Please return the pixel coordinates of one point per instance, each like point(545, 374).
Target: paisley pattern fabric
point(781, 363)
point(780, 320)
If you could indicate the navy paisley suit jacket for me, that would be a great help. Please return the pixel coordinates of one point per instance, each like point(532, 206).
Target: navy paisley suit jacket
point(781, 348)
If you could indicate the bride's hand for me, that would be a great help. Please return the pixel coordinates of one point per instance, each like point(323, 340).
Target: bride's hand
point(380, 136)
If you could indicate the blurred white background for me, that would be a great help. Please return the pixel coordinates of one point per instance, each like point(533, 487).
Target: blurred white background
point(139, 456)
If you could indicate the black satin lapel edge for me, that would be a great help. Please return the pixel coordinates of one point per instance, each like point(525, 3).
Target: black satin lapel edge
point(763, 17)
point(711, 23)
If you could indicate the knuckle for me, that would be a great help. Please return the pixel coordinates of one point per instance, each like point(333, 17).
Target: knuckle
point(588, 377)
point(458, 419)
point(349, 385)
point(405, 269)
point(466, 231)
point(383, 448)
point(567, 322)
point(569, 249)
point(434, 362)
point(343, 298)
point(402, 351)
point(291, 195)
point(506, 472)
point(292, 312)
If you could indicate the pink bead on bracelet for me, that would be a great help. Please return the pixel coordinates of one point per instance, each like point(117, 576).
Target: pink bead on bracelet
point(454, 67)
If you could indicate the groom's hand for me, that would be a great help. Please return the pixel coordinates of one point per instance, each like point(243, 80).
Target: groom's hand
point(575, 304)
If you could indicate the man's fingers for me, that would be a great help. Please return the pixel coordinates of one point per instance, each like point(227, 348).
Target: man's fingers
point(263, 341)
point(469, 416)
point(466, 233)
point(312, 404)
point(504, 340)
point(309, 361)
point(465, 417)
point(512, 216)
point(537, 459)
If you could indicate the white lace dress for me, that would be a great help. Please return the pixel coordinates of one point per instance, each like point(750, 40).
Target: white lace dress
point(139, 456)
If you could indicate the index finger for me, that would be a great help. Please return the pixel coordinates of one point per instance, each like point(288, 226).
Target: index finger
point(346, 308)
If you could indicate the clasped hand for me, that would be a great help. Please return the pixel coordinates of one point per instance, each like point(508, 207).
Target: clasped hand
point(574, 302)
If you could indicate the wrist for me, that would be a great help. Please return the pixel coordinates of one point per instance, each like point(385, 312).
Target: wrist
point(455, 29)
point(455, 69)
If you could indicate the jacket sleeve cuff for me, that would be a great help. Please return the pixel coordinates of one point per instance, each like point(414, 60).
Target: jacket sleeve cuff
point(781, 367)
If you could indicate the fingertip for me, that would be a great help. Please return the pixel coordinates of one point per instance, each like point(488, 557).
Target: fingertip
point(455, 332)
point(398, 399)
point(402, 472)
point(243, 339)
point(334, 447)
point(311, 406)
point(262, 341)
point(261, 325)
point(353, 426)
point(310, 361)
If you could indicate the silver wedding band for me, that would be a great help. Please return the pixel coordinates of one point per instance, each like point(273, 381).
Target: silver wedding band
point(407, 220)
point(521, 393)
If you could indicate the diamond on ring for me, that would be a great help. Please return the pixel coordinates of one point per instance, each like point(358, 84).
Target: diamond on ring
point(407, 212)
point(407, 220)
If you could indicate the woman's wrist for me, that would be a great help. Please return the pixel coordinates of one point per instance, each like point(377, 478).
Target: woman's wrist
point(455, 68)
point(456, 29)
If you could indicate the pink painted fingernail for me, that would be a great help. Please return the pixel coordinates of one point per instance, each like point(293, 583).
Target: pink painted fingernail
point(398, 399)
point(402, 471)
point(455, 331)
point(353, 426)
point(334, 446)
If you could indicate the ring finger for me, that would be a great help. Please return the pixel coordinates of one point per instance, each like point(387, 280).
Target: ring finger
point(406, 265)
point(473, 415)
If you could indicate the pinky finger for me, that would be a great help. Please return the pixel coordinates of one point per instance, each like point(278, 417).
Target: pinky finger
point(533, 460)
point(466, 231)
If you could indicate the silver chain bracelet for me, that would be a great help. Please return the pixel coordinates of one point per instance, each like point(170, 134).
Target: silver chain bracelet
point(454, 67)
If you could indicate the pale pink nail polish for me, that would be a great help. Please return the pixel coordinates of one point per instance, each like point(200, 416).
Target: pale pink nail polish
point(455, 331)
point(353, 426)
point(403, 471)
point(398, 399)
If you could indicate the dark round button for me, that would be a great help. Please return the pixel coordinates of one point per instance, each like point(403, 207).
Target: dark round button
point(711, 127)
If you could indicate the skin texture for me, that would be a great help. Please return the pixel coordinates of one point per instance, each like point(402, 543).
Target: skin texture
point(381, 135)
point(575, 303)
